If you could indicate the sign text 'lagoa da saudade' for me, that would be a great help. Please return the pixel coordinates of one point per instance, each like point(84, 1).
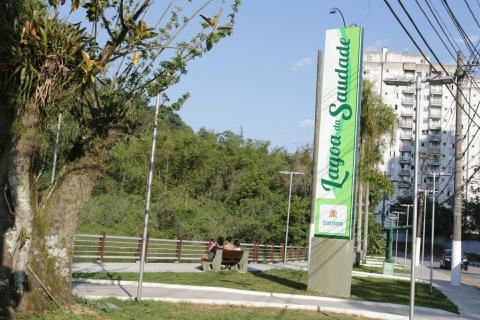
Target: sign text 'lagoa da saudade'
point(338, 128)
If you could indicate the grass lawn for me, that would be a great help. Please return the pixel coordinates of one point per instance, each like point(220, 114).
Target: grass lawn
point(291, 281)
point(380, 270)
point(149, 310)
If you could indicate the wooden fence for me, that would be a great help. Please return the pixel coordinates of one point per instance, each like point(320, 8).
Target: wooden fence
point(103, 247)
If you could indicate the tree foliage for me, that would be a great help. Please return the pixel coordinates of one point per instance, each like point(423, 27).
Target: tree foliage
point(206, 184)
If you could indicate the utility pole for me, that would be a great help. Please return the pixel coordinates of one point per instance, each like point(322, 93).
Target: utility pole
point(291, 174)
point(457, 211)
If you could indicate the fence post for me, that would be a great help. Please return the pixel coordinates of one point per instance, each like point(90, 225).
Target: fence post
point(101, 246)
point(283, 252)
point(291, 252)
point(304, 252)
point(179, 248)
point(298, 252)
point(272, 251)
point(139, 247)
point(146, 249)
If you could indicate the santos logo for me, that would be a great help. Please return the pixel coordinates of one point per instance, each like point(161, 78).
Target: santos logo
point(333, 218)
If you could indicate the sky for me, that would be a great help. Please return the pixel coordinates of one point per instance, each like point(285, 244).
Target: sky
point(261, 80)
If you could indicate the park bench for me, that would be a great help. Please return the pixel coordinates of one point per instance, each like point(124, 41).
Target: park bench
point(232, 259)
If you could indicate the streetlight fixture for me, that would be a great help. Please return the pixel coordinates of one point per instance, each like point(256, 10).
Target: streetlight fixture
point(336, 10)
point(291, 174)
point(407, 82)
point(147, 206)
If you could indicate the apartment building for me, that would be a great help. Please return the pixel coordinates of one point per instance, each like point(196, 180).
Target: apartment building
point(437, 126)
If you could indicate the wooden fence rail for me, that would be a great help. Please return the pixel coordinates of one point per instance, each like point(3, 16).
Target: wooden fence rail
point(102, 247)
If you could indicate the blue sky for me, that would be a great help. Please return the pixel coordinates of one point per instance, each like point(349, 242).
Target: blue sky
point(262, 79)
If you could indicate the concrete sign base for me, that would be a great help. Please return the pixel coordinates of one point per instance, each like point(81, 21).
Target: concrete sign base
point(330, 267)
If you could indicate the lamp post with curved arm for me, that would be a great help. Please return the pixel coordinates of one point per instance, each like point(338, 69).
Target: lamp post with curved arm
point(336, 10)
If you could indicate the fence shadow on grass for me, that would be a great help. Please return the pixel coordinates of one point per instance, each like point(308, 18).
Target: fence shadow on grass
point(282, 281)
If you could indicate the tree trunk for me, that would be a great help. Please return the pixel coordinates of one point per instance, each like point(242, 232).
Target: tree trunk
point(365, 223)
point(37, 238)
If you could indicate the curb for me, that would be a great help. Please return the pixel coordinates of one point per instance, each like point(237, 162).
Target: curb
point(260, 304)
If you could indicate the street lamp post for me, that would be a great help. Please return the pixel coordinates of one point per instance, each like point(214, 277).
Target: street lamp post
point(336, 10)
point(147, 206)
point(436, 80)
point(407, 82)
point(291, 174)
point(406, 234)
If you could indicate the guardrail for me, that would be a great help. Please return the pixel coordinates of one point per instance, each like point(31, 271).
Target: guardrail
point(101, 247)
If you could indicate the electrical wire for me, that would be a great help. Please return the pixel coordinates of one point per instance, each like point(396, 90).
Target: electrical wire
point(423, 54)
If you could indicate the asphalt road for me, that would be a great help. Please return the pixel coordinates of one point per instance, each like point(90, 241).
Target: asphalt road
point(470, 277)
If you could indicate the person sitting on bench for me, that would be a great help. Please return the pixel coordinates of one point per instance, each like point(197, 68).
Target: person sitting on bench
point(229, 244)
point(237, 245)
point(212, 249)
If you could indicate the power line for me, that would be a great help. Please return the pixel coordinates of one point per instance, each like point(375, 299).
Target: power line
point(423, 54)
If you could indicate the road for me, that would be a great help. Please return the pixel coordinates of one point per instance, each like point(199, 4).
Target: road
point(470, 277)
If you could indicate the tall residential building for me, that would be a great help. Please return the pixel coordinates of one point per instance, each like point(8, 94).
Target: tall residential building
point(437, 127)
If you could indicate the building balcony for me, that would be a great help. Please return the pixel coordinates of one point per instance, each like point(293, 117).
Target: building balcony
point(435, 137)
point(434, 150)
point(404, 184)
point(435, 114)
point(407, 113)
point(406, 124)
point(436, 90)
point(405, 172)
point(405, 160)
point(408, 102)
point(408, 90)
point(406, 148)
point(436, 102)
point(406, 136)
point(429, 185)
point(434, 125)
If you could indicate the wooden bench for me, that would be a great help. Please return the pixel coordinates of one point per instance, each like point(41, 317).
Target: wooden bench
point(232, 259)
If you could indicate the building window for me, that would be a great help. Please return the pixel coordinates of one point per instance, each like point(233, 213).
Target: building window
point(369, 58)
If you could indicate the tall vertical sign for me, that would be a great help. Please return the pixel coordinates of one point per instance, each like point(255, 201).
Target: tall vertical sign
point(338, 130)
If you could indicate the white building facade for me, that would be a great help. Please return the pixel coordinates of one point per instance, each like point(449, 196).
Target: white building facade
point(437, 127)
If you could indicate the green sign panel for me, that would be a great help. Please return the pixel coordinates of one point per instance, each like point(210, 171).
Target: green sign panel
point(338, 128)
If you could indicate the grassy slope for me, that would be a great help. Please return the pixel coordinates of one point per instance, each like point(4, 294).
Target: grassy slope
point(294, 282)
point(148, 310)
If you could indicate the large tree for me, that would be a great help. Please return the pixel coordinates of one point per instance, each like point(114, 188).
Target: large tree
point(99, 73)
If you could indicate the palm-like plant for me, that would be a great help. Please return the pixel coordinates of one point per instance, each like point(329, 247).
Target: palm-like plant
point(378, 125)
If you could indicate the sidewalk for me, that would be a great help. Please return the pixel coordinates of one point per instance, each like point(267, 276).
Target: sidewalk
point(95, 289)
point(466, 297)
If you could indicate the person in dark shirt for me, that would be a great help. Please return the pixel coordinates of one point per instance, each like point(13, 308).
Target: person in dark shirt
point(213, 249)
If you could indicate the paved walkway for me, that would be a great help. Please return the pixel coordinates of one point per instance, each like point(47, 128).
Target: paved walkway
point(466, 297)
point(212, 295)
point(174, 267)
